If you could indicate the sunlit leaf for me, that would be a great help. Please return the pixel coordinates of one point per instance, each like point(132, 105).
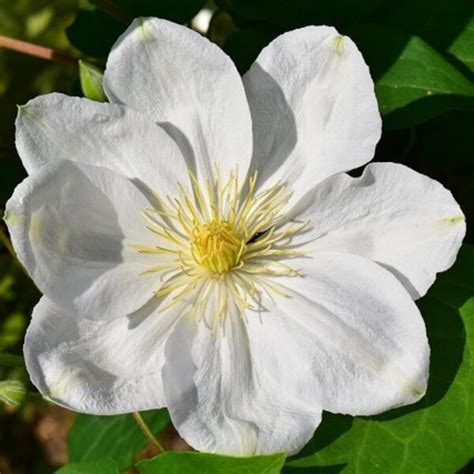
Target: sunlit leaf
point(437, 433)
point(447, 26)
point(202, 463)
point(413, 81)
point(92, 81)
point(116, 437)
point(105, 466)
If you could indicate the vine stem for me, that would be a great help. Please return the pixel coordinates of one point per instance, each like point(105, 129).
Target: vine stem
point(12, 360)
point(8, 245)
point(147, 432)
point(6, 241)
point(36, 50)
point(113, 10)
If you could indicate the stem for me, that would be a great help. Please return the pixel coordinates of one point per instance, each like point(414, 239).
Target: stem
point(410, 144)
point(113, 10)
point(37, 51)
point(12, 360)
point(8, 245)
point(6, 241)
point(147, 432)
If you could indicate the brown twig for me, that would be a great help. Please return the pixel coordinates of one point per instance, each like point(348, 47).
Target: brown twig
point(37, 51)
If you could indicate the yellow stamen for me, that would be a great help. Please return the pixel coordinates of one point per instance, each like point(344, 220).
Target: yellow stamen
point(224, 246)
point(216, 246)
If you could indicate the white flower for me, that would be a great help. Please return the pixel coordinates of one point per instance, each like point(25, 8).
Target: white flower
point(200, 247)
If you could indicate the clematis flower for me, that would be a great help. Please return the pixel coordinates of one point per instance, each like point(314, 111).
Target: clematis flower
point(200, 246)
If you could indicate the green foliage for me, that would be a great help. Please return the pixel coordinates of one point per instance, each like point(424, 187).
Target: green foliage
point(437, 433)
point(202, 463)
point(91, 81)
point(117, 437)
point(11, 360)
point(413, 82)
point(446, 26)
point(39, 21)
point(17, 295)
point(105, 466)
point(21, 77)
point(422, 65)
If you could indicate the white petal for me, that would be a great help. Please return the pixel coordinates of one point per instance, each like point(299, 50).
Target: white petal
point(313, 108)
point(98, 367)
point(392, 215)
point(350, 330)
point(71, 226)
point(218, 401)
point(56, 127)
point(184, 82)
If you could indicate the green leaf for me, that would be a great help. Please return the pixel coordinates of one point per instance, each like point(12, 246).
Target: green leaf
point(202, 463)
point(413, 82)
point(436, 435)
point(449, 26)
point(462, 47)
point(296, 13)
point(117, 437)
point(92, 81)
point(105, 466)
point(12, 360)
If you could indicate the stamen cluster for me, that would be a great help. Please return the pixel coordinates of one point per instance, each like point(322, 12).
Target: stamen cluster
point(219, 245)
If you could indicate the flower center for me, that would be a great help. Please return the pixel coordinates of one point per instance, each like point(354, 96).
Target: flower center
point(216, 246)
point(220, 246)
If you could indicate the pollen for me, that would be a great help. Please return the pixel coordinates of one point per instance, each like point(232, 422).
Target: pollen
point(217, 247)
point(220, 244)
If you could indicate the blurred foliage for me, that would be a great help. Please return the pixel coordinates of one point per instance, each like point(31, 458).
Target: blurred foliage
point(23, 77)
point(421, 54)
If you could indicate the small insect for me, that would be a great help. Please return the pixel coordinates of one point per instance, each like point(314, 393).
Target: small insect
point(257, 236)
